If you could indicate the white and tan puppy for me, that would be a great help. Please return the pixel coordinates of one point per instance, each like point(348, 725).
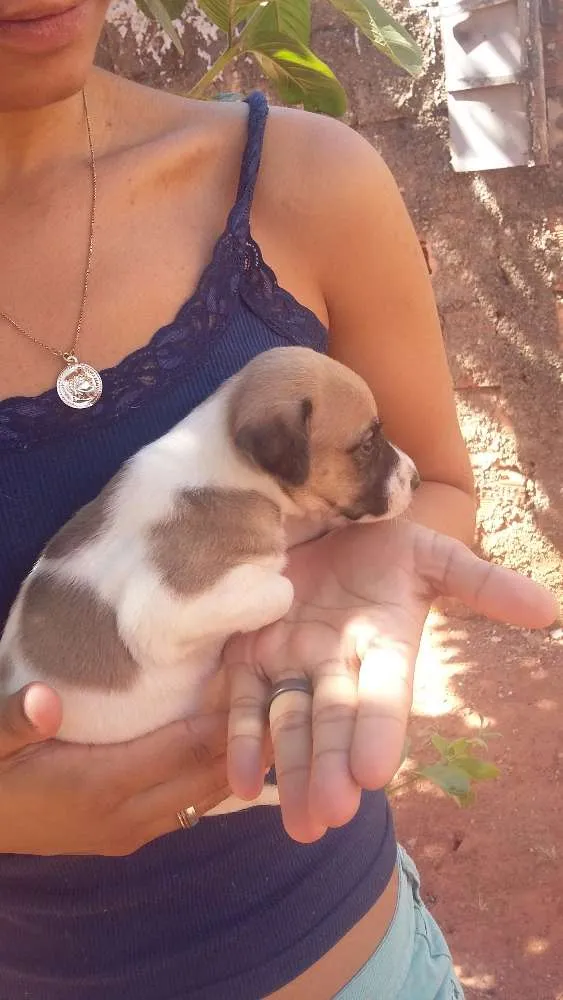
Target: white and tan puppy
point(127, 610)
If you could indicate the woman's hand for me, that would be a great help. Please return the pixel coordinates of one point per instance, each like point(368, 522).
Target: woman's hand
point(60, 798)
point(362, 595)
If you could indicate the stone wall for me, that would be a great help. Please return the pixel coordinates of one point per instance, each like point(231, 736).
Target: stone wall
point(494, 243)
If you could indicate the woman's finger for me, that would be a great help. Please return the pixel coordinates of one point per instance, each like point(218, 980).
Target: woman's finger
point(247, 731)
point(291, 730)
point(154, 813)
point(384, 702)
point(494, 591)
point(29, 716)
point(334, 795)
point(167, 753)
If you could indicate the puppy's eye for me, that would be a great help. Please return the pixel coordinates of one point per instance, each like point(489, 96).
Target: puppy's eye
point(369, 441)
point(365, 446)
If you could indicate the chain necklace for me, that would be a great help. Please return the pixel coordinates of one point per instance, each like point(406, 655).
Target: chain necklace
point(78, 384)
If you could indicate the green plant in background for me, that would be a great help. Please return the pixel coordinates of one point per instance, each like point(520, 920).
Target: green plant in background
point(456, 771)
point(277, 34)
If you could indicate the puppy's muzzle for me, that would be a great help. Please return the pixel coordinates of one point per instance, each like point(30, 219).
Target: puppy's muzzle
point(388, 489)
point(402, 483)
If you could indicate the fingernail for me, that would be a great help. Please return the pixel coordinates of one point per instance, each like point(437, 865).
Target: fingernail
point(27, 706)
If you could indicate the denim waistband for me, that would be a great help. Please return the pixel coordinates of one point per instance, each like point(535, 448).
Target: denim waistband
point(385, 972)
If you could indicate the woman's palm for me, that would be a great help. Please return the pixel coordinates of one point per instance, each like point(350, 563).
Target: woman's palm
point(362, 595)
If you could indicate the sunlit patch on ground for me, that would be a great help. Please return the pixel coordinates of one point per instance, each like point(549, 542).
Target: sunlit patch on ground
point(536, 946)
point(484, 983)
point(435, 667)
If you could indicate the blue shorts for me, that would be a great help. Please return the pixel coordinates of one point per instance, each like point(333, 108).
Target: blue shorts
point(413, 961)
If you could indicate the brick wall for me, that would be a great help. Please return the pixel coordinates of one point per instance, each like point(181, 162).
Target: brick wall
point(553, 56)
point(552, 22)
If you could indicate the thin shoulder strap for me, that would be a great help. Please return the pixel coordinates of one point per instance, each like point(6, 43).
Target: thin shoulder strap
point(257, 117)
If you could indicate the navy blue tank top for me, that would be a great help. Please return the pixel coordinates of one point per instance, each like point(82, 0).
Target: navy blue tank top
point(233, 909)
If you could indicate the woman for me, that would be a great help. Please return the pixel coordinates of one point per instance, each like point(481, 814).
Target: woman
point(113, 202)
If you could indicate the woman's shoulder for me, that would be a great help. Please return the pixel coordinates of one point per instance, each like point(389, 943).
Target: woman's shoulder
point(309, 161)
point(322, 191)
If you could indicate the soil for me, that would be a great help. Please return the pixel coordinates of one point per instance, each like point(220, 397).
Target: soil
point(492, 874)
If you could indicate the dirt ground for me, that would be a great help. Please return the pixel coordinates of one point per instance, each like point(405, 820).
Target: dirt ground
point(493, 874)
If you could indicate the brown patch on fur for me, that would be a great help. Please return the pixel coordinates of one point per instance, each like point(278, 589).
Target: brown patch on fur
point(69, 635)
point(291, 393)
point(210, 532)
point(280, 445)
point(85, 526)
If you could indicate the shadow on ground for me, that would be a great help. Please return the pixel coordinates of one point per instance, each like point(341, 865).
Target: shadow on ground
point(492, 874)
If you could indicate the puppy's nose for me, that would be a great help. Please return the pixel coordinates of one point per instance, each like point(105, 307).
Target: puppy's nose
point(415, 481)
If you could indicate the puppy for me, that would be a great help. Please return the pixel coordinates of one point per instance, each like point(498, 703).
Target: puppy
point(128, 608)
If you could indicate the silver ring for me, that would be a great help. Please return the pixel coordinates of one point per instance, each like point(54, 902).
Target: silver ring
point(302, 684)
point(187, 817)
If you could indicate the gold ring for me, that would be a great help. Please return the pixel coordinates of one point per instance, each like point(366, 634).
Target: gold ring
point(187, 817)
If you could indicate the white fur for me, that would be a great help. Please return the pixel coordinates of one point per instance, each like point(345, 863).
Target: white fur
point(176, 642)
point(399, 490)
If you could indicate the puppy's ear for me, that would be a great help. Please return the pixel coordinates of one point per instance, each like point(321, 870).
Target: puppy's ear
point(279, 444)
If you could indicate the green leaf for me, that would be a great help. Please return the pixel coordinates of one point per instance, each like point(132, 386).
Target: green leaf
point(245, 9)
point(287, 17)
point(440, 744)
point(479, 770)
point(448, 777)
point(174, 8)
point(459, 748)
point(160, 12)
point(300, 77)
point(384, 32)
point(219, 11)
point(476, 741)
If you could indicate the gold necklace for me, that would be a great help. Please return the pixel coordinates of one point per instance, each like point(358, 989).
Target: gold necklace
point(78, 384)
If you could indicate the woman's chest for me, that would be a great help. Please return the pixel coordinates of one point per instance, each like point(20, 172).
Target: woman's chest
point(154, 235)
point(146, 261)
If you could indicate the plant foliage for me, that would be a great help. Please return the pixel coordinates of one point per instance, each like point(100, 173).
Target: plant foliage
point(277, 34)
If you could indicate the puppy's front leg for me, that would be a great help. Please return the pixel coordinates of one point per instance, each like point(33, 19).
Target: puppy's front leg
point(255, 596)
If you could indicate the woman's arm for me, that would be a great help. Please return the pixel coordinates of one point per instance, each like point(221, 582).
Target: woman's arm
point(384, 324)
point(362, 594)
point(340, 209)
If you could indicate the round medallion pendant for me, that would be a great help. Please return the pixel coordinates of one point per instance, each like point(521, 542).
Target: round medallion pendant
point(79, 385)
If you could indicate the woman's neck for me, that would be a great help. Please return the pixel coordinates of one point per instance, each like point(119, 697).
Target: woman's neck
point(33, 141)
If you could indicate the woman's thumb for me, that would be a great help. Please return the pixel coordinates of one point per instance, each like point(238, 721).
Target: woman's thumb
point(28, 716)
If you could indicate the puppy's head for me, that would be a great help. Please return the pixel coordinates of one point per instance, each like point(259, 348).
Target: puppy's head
point(311, 424)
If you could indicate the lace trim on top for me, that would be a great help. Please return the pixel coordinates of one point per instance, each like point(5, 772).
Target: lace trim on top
point(236, 272)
